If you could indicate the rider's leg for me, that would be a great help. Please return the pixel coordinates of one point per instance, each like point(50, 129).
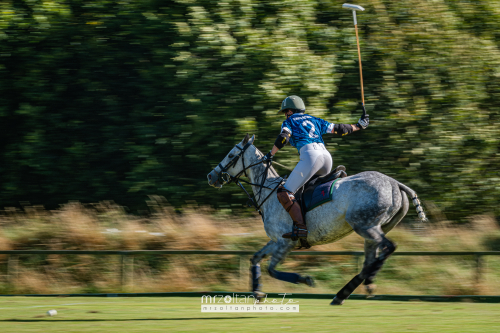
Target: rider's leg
point(314, 159)
point(291, 205)
point(327, 164)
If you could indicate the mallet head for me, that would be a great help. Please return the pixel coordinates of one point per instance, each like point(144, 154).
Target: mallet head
point(352, 7)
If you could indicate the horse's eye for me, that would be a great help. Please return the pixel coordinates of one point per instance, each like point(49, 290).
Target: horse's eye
point(231, 156)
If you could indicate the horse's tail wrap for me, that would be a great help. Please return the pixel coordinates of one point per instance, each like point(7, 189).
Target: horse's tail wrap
point(416, 202)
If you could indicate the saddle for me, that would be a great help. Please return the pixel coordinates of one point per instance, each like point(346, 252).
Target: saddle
point(316, 192)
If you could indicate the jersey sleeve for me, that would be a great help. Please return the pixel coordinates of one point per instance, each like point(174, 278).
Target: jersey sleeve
point(325, 126)
point(286, 127)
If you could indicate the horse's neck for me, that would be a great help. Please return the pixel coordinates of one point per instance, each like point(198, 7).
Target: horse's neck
point(255, 175)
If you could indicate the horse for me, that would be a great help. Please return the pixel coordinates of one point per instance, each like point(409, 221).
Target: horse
point(368, 203)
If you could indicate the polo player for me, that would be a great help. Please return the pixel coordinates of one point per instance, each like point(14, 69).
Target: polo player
point(304, 132)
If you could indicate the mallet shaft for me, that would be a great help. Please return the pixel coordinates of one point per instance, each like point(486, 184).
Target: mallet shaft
point(354, 8)
point(359, 57)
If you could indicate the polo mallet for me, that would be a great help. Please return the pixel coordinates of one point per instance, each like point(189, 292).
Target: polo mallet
point(354, 8)
point(348, 289)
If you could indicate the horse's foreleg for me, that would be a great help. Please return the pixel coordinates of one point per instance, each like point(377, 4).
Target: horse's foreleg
point(279, 255)
point(255, 269)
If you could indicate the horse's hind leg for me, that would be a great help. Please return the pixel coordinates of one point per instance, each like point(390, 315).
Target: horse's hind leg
point(255, 269)
point(372, 230)
point(375, 240)
point(279, 255)
point(372, 247)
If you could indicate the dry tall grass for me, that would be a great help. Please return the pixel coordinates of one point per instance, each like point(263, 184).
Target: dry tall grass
point(106, 226)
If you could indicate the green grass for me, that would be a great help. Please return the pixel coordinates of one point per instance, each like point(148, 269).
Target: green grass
point(84, 314)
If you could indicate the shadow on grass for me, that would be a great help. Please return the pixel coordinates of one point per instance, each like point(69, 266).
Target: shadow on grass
point(138, 319)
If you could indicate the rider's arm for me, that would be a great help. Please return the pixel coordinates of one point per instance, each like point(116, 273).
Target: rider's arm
point(281, 140)
point(344, 129)
point(274, 150)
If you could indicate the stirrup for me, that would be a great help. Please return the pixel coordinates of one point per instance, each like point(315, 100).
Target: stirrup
point(295, 234)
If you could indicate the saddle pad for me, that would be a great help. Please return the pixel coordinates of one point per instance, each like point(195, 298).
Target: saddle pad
point(321, 194)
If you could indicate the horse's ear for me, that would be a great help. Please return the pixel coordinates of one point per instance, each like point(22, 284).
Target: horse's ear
point(248, 139)
point(245, 139)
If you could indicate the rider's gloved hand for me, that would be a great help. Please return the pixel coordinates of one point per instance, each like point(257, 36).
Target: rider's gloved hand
point(364, 120)
point(268, 157)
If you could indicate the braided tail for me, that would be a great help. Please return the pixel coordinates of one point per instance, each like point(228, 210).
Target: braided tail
point(416, 202)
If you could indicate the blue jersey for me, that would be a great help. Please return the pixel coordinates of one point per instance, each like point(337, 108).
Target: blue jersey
point(306, 129)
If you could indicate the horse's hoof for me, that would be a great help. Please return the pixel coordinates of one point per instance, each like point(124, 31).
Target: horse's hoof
point(258, 295)
point(310, 281)
point(370, 288)
point(337, 301)
point(307, 280)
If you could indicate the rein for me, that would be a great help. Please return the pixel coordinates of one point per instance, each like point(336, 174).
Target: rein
point(225, 178)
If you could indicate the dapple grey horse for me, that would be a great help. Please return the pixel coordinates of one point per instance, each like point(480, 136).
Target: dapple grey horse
point(369, 203)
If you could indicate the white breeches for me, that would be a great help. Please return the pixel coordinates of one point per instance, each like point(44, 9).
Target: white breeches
point(314, 160)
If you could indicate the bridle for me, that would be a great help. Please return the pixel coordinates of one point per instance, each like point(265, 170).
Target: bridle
point(226, 178)
point(223, 177)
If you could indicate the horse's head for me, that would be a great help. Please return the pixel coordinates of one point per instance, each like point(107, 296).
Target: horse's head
point(231, 165)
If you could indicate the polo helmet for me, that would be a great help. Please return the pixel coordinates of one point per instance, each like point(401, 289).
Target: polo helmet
point(293, 102)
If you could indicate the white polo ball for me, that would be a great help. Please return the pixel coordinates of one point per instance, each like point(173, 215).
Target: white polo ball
point(51, 313)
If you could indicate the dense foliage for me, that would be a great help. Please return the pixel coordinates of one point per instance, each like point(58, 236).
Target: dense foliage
point(123, 99)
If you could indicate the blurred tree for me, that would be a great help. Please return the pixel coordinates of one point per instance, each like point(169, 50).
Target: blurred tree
point(120, 100)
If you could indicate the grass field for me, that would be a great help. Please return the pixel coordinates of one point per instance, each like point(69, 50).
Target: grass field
point(84, 314)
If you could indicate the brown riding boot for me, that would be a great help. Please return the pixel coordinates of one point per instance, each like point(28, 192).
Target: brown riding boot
point(299, 228)
point(291, 205)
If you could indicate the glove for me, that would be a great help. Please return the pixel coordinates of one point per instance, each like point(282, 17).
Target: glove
point(364, 120)
point(268, 157)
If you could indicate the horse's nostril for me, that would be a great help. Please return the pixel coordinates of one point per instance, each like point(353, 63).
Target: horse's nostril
point(209, 176)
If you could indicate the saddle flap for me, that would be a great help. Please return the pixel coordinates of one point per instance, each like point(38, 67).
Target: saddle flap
point(318, 190)
point(318, 194)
